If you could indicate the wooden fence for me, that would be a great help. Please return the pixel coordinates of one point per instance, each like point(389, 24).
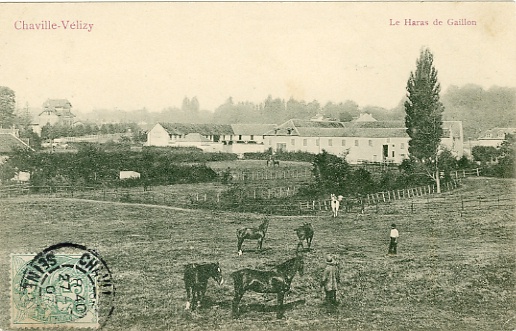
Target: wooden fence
point(277, 173)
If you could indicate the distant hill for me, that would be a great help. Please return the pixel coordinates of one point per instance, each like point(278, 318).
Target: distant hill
point(478, 109)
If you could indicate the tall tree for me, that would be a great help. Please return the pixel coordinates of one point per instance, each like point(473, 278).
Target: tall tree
point(7, 106)
point(424, 111)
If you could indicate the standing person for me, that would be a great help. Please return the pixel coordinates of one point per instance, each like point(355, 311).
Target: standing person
point(393, 245)
point(330, 279)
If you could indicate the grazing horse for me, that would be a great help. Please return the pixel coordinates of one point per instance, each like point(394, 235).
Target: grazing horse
point(252, 233)
point(305, 232)
point(196, 277)
point(277, 280)
point(335, 204)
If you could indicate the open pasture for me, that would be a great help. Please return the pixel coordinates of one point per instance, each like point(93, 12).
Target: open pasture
point(451, 272)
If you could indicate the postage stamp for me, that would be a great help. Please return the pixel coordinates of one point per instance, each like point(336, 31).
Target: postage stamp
point(64, 285)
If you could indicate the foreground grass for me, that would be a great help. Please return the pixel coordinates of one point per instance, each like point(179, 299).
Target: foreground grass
point(452, 273)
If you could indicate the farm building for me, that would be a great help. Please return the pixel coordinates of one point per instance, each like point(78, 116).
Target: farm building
point(234, 138)
point(56, 111)
point(363, 140)
point(169, 134)
point(248, 138)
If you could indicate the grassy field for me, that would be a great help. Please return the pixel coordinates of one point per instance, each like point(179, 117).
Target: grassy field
point(451, 273)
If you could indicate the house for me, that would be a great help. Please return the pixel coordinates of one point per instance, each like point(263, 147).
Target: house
point(56, 112)
point(362, 140)
point(493, 137)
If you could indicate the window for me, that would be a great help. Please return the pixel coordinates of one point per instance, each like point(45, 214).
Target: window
point(304, 142)
point(370, 142)
point(402, 145)
point(356, 142)
point(316, 142)
point(392, 153)
point(252, 137)
point(330, 142)
point(239, 137)
point(292, 142)
point(343, 142)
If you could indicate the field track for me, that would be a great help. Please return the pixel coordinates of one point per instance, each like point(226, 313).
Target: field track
point(452, 273)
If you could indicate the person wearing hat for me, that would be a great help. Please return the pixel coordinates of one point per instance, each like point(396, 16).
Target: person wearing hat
point(330, 279)
point(393, 245)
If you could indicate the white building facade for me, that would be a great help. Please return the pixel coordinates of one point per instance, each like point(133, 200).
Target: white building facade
point(361, 141)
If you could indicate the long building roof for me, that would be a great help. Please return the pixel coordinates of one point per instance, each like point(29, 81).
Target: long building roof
point(372, 129)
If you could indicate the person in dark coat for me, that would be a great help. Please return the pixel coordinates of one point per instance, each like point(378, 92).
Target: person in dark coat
point(330, 280)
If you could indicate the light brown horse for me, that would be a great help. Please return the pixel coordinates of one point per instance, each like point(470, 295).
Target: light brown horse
point(252, 233)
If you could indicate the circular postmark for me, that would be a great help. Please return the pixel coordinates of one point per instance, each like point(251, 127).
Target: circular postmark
point(65, 285)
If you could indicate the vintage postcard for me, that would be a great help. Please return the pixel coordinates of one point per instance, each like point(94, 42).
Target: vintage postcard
point(258, 165)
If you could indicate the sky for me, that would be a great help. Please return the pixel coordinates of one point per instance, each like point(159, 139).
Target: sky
point(153, 55)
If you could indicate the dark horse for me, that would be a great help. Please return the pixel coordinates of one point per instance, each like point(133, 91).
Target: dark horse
point(252, 233)
point(277, 280)
point(196, 279)
point(305, 232)
point(272, 162)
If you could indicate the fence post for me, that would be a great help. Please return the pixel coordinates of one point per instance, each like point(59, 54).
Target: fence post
point(478, 173)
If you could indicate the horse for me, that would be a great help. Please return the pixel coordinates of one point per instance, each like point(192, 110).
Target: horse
point(277, 280)
point(335, 204)
point(252, 233)
point(196, 276)
point(272, 162)
point(305, 232)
